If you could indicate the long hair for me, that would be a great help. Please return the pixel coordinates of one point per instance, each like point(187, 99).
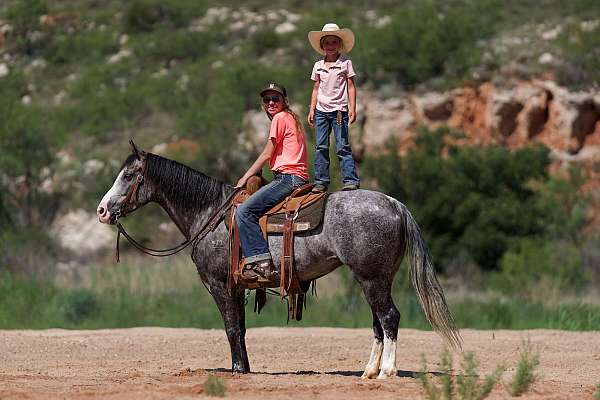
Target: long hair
point(286, 108)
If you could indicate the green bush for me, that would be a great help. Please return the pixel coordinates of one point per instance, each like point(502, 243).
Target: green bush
point(581, 51)
point(534, 267)
point(567, 205)
point(79, 305)
point(25, 14)
point(81, 47)
point(426, 40)
point(214, 386)
point(28, 251)
point(107, 99)
point(28, 142)
point(525, 376)
point(463, 386)
point(165, 44)
point(471, 201)
point(146, 15)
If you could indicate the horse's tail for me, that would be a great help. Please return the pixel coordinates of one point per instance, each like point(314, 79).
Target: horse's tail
point(428, 288)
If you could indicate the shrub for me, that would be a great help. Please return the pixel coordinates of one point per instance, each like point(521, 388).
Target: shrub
point(25, 14)
point(80, 47)
point(464, 386)
point(567, 205)
point(214, 386)
point(529, 360)
point(26, 250)
point(166, 44)
point(79, 305)
point(28, 144)
point(425, 40)
point(535, 266)
point(146, 15)
point(472, 201)
point(581, 50)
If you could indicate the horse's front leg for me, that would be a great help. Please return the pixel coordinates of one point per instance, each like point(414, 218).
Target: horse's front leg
point(233, 312)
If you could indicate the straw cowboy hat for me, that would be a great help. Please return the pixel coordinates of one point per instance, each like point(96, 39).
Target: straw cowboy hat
point(347, 36)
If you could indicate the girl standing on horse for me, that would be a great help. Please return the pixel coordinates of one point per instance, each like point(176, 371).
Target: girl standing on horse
point(285, 152)
point(333, 103)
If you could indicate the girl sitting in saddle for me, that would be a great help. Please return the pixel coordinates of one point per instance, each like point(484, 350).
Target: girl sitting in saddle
point(285, 152)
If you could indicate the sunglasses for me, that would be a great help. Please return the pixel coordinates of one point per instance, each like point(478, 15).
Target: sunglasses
point(268, 99)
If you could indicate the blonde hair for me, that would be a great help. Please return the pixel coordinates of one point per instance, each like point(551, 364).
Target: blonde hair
point(286, 108)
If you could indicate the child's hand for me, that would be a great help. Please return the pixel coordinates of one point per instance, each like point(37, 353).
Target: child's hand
point(311, 117)
point(352, 116)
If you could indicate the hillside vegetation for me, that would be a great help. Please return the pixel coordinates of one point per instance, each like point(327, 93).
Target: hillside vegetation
point(79, 78)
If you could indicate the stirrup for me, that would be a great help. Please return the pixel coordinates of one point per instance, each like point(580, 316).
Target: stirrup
point(261, 272)
point(249, 274)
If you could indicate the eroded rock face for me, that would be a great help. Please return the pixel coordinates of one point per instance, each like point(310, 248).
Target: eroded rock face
point(531, 111)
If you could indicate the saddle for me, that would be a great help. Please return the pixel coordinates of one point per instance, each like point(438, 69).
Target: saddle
point(301, 211)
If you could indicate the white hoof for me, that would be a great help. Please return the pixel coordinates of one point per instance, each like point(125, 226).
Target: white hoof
point(370, 373)
point(384, 374)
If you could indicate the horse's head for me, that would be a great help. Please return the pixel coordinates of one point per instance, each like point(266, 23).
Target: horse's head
point(128, 192)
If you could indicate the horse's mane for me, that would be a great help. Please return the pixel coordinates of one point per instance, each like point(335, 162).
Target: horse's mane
point(185, 186)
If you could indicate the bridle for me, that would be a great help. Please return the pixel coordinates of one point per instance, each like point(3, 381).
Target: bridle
point(206, 228)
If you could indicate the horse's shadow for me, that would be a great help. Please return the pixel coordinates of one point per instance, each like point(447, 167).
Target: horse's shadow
point(400, 373)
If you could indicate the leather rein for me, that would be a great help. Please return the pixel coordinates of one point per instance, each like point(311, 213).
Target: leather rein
point(208, 226)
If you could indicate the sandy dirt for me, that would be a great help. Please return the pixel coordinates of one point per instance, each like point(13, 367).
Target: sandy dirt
point(299, 363)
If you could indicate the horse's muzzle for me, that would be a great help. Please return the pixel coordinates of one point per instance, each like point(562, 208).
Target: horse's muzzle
point(106, 215)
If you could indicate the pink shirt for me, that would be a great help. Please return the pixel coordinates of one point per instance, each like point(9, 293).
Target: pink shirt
point(289, 156)
point(333, 84)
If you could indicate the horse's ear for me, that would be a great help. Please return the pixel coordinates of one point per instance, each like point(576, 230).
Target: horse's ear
point(135, 150)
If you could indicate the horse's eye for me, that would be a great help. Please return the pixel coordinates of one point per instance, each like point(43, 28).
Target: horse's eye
point(128, 177)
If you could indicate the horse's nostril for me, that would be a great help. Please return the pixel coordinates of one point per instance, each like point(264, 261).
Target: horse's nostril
point(101, 210)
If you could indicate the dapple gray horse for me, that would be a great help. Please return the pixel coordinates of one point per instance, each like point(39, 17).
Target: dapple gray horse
point(367, 231)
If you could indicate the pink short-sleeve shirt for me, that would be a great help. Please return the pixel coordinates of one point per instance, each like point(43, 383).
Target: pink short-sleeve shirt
point(289, 155)
point(333, 84)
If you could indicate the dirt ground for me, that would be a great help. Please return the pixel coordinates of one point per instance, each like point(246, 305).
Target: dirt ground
point(163, 363)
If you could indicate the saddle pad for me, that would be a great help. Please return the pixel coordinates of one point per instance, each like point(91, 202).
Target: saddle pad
point(309, 217)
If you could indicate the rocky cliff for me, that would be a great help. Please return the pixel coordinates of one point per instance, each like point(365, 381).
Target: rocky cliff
point(531, 111)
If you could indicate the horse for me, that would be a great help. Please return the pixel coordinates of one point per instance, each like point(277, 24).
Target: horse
point(367, 231)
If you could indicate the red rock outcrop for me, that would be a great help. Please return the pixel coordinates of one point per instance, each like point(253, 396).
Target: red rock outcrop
point(530, 111)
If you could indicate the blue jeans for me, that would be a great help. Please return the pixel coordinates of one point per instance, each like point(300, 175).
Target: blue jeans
point(324, 122)
point(254, 246)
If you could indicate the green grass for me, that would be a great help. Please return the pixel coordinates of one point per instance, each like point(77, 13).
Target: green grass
point(170, 295)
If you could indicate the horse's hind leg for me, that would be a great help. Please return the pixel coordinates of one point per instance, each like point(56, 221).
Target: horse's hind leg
point(372, 368)
point(378, 294)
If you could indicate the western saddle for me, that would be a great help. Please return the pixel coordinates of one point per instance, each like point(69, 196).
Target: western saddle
point(301, 211)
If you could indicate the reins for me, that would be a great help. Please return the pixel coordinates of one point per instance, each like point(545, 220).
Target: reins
point(208, 226)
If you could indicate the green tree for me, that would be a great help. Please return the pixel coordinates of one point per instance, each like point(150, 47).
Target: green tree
point(567, 205)
point(24, 160)
point(25, 17)
point(467, 200)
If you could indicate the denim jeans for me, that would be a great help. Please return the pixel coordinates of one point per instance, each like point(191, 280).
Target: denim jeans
point(254, 246)
point(324, 122)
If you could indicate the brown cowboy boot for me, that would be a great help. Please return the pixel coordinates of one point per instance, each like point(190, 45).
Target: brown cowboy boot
point(262, 272)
